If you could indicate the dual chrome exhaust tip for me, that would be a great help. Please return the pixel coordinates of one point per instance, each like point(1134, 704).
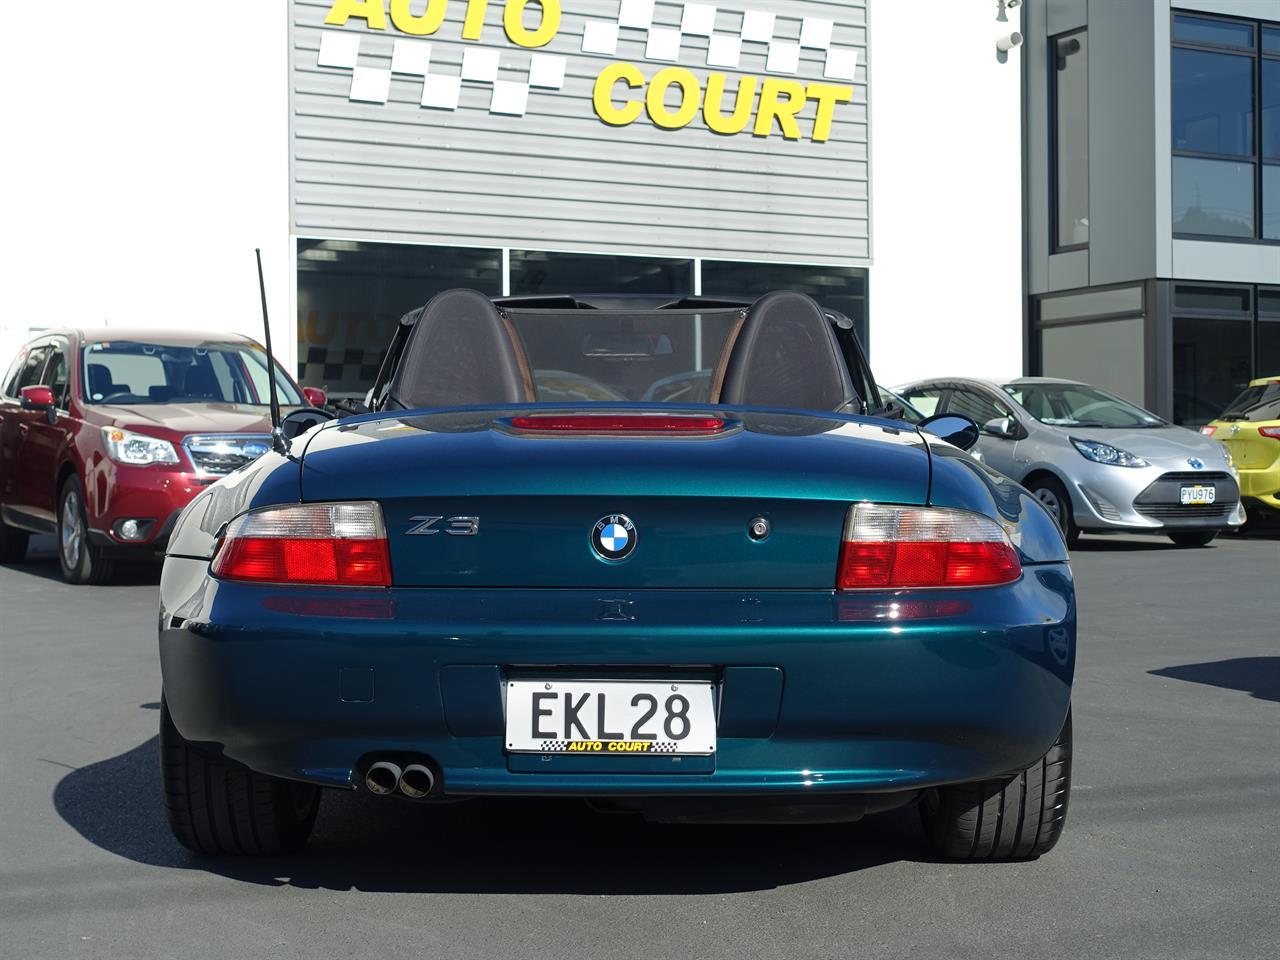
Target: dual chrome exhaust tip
point(414, 781)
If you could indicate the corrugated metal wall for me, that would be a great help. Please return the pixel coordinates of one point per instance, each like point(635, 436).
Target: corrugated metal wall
point(558, 177)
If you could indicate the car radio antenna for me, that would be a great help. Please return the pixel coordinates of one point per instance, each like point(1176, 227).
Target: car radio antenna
point(279, 442)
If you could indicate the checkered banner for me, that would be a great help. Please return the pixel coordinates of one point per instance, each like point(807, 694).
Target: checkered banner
point(782, 40)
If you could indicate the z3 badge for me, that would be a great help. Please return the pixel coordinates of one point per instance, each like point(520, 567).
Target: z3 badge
point(453, 526)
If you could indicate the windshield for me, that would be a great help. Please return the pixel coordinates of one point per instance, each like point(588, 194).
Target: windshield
point(909, 413)
point(134, 373)
point(1077, 405)
point(1256, 403)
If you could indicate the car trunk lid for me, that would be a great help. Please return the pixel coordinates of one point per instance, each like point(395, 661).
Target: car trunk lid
point(476, 499)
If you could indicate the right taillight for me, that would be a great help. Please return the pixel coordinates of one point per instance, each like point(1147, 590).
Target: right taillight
point(326, 544)
point(890, 547)
point(1272, 432)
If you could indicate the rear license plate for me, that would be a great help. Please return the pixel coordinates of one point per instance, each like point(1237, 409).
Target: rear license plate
point(610, 717)
point(1198, 495)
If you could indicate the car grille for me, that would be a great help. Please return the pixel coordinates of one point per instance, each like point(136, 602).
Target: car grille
point(217, 456)
point(1161, 500)
point(1166, 512)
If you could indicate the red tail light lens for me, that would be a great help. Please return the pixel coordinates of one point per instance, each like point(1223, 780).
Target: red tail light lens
point(1272, 432)
point(326, 544)
point(887, 547)
point(1208, 430)
point(619, 423)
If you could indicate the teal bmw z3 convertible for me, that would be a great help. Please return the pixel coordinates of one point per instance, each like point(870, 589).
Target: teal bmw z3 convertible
point(673, 557)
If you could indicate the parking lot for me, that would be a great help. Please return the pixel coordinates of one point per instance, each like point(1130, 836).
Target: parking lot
point(1171, 847)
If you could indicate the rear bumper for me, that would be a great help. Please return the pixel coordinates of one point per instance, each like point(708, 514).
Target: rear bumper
point(817, 694)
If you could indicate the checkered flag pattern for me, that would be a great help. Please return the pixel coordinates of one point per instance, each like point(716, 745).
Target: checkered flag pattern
point(664, 747)
point(323, 365)
point(555, 746)
point(724, 48)
point(441, 90)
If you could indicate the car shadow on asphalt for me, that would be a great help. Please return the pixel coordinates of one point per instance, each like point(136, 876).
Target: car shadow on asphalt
point(1257, 676)
point(488, 846)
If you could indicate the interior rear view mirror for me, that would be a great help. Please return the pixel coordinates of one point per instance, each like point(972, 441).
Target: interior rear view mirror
point(626, 346)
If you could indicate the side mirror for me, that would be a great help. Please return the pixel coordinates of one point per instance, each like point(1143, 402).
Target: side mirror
point(1000, 427)
point(37, 398)
point(315, 397)
point(300, 421)
point(957, 430)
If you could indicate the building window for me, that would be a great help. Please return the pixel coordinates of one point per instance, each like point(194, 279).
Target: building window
point(1223, 337)
point(1226, 128)
point(536, 273)
point(843, 289)
point(351, 294)
point(1070, 92)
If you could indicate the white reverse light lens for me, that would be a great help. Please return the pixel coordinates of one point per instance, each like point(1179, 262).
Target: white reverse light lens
point(1105, 453)
point(136, 449)
point(312, 521)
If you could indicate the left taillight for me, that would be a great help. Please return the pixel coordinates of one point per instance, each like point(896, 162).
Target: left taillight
point(323, 544)
point(891, 547)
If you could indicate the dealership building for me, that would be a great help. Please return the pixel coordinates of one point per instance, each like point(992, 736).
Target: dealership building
point(1101, 201)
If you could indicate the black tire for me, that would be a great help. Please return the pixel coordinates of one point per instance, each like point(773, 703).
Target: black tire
point(1012, 818)
point(1053, 495)
point(13, 544)
point(1197, 539)
point(219, 808)
point(82, 560)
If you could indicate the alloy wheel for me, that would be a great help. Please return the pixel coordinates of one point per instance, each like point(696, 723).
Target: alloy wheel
point(72, 531)
point(1051, 503)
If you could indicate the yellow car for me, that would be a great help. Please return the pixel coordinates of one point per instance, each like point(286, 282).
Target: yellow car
point(1250, 430)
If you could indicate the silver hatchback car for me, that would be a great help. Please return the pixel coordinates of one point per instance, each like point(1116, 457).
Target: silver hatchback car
point(1098, 463)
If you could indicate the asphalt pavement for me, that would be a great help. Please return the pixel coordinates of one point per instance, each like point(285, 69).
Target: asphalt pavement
point(1172, 848)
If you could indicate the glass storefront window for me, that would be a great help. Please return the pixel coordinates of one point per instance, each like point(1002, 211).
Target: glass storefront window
point(1071, 140)
point(1212, 197)
point(535, 273)
point(1212, 363)
point(843, 289)
point(1268, 348)
point(352, 293)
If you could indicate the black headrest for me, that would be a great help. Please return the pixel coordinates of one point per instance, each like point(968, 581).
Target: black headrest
point(462, 352)
point(786, 355)
point(99, 378)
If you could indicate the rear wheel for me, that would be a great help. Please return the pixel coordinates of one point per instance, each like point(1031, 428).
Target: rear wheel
point(217, 807)
point(1194, 539)
point(81, 559)
point(13, 544)
point(1054, 497)
point(1011, 818)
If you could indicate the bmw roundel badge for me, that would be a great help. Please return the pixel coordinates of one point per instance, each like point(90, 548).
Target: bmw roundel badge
point(1195, 463)
point(613, 537)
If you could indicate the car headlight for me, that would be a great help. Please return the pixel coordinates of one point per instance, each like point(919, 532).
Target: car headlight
point(1106, 453)
point(136, 449)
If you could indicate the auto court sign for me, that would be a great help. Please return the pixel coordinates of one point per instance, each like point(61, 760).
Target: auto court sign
point(662, 90)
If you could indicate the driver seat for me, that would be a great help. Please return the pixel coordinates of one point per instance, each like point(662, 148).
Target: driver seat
point(784, 354)
point(462, 352)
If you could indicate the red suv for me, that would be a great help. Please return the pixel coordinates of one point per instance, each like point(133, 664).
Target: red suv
point(106, 435)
